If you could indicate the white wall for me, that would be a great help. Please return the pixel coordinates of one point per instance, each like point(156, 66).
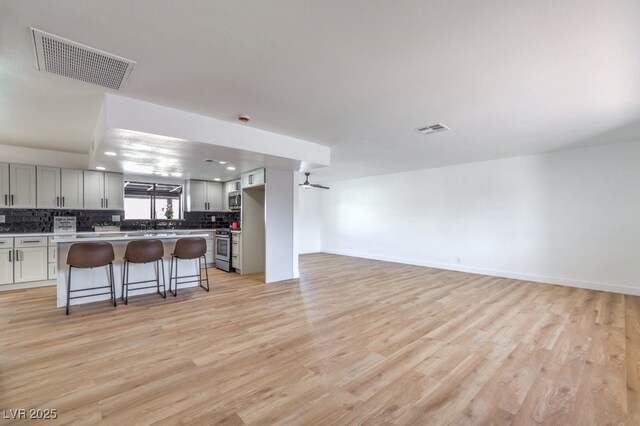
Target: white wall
point(570, 217)
point(279, 212)
point(309, 220)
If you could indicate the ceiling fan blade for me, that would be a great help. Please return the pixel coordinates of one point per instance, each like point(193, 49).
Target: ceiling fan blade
point(315, 185)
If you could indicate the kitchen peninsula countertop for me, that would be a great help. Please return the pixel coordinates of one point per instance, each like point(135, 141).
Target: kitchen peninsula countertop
point(128, 235)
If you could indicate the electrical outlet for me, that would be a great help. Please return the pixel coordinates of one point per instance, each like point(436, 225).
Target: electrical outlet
point(213, 218)
point(115, 218)
point(2, 219)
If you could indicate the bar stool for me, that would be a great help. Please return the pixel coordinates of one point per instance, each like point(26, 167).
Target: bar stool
point(143, 252)
point(89, 256)
point(189, 249)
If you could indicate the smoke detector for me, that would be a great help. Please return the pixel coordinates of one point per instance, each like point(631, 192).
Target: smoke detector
point(435, 128)
point(67, 58)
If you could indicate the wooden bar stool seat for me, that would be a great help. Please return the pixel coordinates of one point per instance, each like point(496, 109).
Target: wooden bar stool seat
point(89, 256)
point(143, 252)
point(191, 248)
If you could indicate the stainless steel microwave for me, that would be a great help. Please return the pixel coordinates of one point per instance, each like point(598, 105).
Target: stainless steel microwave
point(235, 200)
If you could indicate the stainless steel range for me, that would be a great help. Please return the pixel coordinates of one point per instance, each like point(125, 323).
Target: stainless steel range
point(223, 249)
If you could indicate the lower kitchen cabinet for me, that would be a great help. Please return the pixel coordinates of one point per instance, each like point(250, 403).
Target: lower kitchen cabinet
point(6, 266)
point(53, 271)
point(236, 259)
point(30, 264)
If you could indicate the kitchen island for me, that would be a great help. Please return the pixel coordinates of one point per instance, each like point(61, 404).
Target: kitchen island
point(87, 278)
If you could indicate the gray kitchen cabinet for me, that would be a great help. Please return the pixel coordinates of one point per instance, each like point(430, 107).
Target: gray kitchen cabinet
point(59, 188)
point(22, 186)
point(6, 265)
point(31, 264)
point(103, 190)
point(253, 178)
point(93, 190)
point(48, 188)
point(4, 184)
point(72, 189)
point(114, 191)
point(31, 259)
point(204, 196)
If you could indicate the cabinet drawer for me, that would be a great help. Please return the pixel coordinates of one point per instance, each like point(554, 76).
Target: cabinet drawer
point(234, 262)
point(235, 249)
point(53, 254)
point(31, 242)
point(6, 243)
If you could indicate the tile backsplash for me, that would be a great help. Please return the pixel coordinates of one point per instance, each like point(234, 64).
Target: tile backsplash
point(41, 220)
point(192, 220)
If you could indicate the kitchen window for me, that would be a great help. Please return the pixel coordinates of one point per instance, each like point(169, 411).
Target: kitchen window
point(146, 200)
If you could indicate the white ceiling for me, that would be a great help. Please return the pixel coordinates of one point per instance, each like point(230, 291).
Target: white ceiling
point(509, 77)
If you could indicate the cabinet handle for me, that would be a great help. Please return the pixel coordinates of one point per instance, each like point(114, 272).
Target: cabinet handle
point(31, 242)
point(101, 202)
point(106, 203)
point(6, 199)
point(10, 257)
point(250, 179)
point(12, 199)
point(62, 201)
point(57, 201)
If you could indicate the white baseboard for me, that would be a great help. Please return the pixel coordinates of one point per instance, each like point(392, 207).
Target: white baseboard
point(590, 285)
point(309, 251)
point(22, 286)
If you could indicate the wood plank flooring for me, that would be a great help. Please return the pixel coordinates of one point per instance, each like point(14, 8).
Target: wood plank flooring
point(353, 341)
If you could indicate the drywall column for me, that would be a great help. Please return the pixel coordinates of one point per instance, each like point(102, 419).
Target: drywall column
point(279, 230)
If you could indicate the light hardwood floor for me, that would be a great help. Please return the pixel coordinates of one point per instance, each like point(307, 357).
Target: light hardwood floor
point(353, 341)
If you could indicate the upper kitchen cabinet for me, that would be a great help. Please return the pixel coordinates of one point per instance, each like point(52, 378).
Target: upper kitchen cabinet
point(204, 196)
point(114, 191)
point(234, 185)
point(253, 178)
point(72, 189)
point(48, 188)
point(22, 186)
point(103, 190)
point(4, 184)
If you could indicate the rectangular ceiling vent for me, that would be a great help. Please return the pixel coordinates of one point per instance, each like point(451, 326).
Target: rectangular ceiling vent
point(64, 57)
point(436, 128)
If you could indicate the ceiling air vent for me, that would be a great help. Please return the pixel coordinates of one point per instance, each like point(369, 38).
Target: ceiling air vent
point(436, 128)
point(73, 60)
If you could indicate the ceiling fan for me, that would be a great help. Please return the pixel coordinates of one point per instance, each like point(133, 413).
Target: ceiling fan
point(307, 185)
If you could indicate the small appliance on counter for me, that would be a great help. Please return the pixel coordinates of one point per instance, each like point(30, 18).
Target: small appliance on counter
point(223, 249)
point(235, 226)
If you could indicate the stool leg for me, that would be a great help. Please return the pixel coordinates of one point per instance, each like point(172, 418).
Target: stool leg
point(157, 262)
point(68, 288)
point(125, 288)
point(164, 288)
point(123, 279)
point(206, 272)
point(200, 272)
point(175, 293)
point(113, 284)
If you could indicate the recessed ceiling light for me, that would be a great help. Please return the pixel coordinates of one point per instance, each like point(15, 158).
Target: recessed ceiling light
point(222, 162)
point(176, 174)
point(217, 179)
point(110, 153)
point(100, 168)
point(164, 174)
point(231, 168)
